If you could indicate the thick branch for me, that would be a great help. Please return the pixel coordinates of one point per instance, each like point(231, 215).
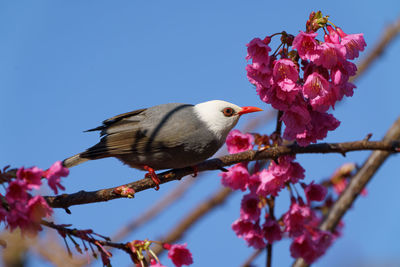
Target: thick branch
point(83, 197)
point(356, 185)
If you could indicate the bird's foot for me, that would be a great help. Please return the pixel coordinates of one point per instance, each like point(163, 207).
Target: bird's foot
point(195, 170)
point(151, 174)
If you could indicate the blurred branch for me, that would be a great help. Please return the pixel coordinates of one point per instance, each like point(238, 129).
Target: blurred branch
point(15, 253)
point(83, 197)
point(356, 185)
point(57, 255)
point(252, 257)
point(155, 209)
point(388, 36)
point(215, 200)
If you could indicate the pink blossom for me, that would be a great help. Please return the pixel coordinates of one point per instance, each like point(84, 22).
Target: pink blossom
point(340, 186)
point(179, 254)
point(255, 238)
point(38, 209)
point(17, 216)
point(238, 142)
point(340, 76)
point(297, 117)
point(318, 91)
point(53, 175)
point(250, 209)
point(333, 35)
point(270, 184)
point(285, 74)
point(310, 247)
point(310, 68)
point(262, 80)
point(315, 192)
point(317, 129)
point(330, 54)
point(258, 50)
point(32, 176)
point(236, 178)
point(254, 182)
point(272, 230)
point(354, 43)
point(250, 232)
point(16, 191)
point(274, 179)
point(280, 99)
point(242, 227)
point(296, 218)
point(303, 247)
point(295, 172)
point(341, 72)
point(306, 45)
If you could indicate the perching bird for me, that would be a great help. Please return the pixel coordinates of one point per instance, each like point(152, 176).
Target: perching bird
point(166, 136)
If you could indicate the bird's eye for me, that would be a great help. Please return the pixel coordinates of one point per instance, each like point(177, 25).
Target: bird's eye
point(228, 112)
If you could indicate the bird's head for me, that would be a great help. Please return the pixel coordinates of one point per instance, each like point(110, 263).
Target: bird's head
point(221, 116)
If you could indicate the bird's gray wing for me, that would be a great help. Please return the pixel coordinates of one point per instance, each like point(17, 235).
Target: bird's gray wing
point(117, 123)
point(142, 132)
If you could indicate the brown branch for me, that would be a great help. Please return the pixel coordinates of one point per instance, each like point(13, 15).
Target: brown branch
point(388, 36)
point(198, 212)
point(356, 185)
point(252, 257)
point(83, 197)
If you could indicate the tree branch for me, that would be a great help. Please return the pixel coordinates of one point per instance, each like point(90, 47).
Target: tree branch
point(198, 212)
point(356, 185)
point(391, 32)
point(83, 197)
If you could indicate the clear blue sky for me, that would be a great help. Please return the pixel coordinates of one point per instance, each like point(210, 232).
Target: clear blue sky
point(67, 65)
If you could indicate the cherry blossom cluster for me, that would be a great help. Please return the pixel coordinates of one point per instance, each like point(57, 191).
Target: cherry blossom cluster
point(20, 209)
point(300, 222)
point(306, 77)
point(303, 79)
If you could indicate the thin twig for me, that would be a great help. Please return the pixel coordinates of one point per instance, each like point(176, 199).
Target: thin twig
point(75, 232)
point(271, 207)
point(356, 185)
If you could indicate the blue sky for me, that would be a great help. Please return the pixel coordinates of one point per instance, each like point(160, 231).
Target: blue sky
point(67, 65)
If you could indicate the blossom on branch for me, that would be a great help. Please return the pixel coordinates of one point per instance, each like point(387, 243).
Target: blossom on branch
point(179, 254)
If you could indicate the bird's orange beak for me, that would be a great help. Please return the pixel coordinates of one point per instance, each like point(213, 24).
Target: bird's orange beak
point(245, 110)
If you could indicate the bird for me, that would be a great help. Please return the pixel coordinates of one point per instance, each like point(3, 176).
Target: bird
point(166, 136)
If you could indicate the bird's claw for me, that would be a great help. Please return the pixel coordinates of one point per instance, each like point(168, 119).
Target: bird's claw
point(195, 171)
point(151, 174)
